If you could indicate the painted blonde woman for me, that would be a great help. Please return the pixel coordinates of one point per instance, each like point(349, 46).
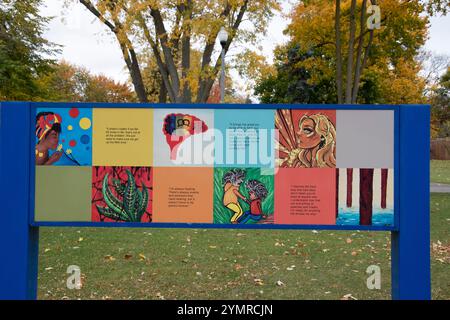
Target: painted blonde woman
point(312, 146)
point(232, 181)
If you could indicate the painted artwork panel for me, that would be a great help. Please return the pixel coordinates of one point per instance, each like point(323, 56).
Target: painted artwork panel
point(366, 139)
point(122, 194)
point(244, 138)
point(63, 136)
point(183, 137)
point(183, 195)
point(62, 194)
point(173, 166)
point(305, 196)
point(243, 195)
point(306, 138)
point(366, 197)
point(123, 137)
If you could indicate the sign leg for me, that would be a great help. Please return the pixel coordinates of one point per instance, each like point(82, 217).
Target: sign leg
point(18, 240)
point(411, 276)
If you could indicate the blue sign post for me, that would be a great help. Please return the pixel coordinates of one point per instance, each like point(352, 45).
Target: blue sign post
point(19, 232)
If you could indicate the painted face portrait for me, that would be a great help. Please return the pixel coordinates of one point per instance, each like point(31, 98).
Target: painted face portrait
point(317, 136)
point(309, 138)
point(48, 130)
point(311, 144)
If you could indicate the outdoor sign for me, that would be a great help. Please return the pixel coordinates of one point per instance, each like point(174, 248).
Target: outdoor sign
point(225, 166)
point(341, 167)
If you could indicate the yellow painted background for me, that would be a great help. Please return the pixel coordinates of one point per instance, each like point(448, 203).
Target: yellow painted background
point(138, 153)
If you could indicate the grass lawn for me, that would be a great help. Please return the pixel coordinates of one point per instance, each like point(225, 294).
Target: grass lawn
point(440, 171)
point(229, 264)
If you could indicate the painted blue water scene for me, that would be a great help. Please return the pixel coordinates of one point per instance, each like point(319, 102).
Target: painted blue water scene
point(385, 218)
point(362, 205)
point(64, 136)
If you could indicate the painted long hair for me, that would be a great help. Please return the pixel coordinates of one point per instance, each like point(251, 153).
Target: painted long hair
point(326, 154)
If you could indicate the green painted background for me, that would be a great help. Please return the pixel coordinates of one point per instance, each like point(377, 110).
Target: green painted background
point(63, 193)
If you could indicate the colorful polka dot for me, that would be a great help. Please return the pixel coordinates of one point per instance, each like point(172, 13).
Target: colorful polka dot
point(69, 127)
point(74, 112)
point(72, 143)
point(85, 123)
point(85, 139)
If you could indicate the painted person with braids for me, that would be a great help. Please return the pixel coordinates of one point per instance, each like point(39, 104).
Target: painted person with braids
point(48, 130)
point(257, 192)
point(232, 181)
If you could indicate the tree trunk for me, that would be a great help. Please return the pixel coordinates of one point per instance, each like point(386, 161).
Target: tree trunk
point(365, 196)
point(351, 41)
point(133, 67)
point(337, 192)
point(384, 180)
point(358, 68)
point(186, 52)
point(349, 187)
point(136, 77)
point(162, 93)
point(337, 29)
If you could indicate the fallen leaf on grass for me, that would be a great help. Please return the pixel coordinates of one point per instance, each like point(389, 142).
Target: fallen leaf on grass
point(349, 240)
point(259, 282)
point(128, 256)
point(280, 283)
point(48, 268)
point(142, 257)
point(348, 296)
point(109, 258)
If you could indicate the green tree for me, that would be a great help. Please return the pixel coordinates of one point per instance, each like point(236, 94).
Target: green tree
point(440, 107)
point(366, 66)
point(24, 53)
point(68, 82)
point(291, 81)
point(169, 30)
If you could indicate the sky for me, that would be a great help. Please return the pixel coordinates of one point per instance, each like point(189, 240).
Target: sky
point(86, 42)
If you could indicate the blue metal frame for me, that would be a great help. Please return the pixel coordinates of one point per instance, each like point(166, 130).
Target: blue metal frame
point(410, 233)
point(34, 106)
point(410, 245)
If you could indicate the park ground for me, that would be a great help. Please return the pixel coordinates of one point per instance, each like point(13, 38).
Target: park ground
point(233, 264)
